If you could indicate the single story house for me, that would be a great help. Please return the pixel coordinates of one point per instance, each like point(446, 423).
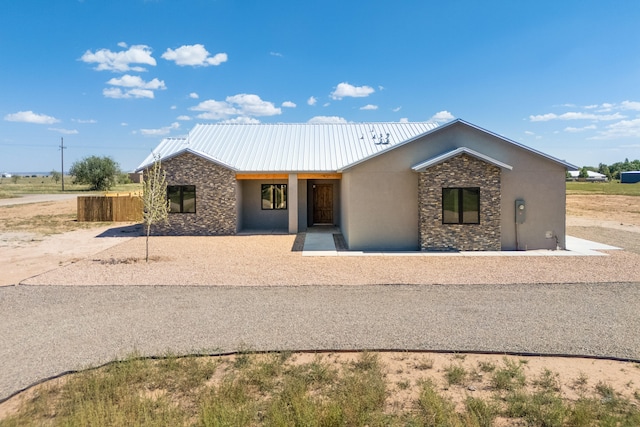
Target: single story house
point(591, 176)
point(386, 186)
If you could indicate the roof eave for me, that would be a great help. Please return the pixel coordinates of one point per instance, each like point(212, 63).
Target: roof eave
point(190, 151)
point(567, 165)
point(458, 151)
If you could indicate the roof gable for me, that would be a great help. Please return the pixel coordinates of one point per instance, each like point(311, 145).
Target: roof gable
point(458, 151)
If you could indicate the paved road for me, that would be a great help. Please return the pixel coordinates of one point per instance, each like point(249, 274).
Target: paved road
point(47, 330)
point(36, 198)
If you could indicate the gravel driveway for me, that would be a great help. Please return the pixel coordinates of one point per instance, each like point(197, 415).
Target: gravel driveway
point(281, 300)
point(47, 330)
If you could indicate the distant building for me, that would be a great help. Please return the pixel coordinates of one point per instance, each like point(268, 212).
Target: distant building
point(592, 176)
point(6, 175)
point(630, 177)
point(135, 177)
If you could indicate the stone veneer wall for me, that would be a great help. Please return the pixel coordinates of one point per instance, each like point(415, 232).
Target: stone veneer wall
point(216, 198)
point(459, 171)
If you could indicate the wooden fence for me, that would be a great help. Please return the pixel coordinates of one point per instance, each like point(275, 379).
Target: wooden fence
point(110, 208)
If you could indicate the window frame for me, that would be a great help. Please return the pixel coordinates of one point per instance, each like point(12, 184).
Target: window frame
point(461, 205)
point(181, 190)
point(273, 197)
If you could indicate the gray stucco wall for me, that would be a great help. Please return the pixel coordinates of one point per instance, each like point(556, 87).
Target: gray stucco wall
point(253, 216)
point(379, 208)
point(380, 202)
point(216, 212)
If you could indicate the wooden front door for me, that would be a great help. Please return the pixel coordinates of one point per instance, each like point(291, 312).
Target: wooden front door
point(323, 204)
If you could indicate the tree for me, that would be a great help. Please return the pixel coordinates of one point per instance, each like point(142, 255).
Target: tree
point(55, 175)
point(154, 199)
point(99, 172)
point(584, 173)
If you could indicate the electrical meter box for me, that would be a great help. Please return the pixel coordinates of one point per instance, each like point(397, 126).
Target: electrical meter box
point(521, 211)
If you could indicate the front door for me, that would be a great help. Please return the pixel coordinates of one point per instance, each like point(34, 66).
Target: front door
point(323, 204)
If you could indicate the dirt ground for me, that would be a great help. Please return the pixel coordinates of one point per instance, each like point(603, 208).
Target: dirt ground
point(29, 245)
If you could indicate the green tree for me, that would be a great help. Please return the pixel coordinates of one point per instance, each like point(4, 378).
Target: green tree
point(154, 199)
point(55, 175)
point(99, 172)
point(584, 173)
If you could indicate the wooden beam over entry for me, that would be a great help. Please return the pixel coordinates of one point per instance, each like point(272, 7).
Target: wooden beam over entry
point(262, 176)
point(267, 176)
point(319, 176)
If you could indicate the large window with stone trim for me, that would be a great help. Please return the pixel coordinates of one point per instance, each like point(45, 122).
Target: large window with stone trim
point(182, 198)
point(461, 205)
point(274, 196)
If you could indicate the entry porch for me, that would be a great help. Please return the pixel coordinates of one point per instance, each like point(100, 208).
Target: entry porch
point(287, 202)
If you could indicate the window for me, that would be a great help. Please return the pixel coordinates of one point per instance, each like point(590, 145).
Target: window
point(182, 198)
point(274, 196)
point(461, 206)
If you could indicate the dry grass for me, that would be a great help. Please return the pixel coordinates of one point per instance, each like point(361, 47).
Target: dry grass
point(365, 389)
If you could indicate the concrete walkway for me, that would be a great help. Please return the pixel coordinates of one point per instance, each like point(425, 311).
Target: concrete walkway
point(319, 242)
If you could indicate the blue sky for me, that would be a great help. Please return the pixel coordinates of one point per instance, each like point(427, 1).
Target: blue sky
point(114, 77)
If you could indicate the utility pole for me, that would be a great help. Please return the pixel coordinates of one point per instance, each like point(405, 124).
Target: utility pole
point(62, 147)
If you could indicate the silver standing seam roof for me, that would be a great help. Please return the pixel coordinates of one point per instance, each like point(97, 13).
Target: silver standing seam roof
point(297, 147)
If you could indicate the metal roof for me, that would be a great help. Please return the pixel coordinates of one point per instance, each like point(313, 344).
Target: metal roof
point(303, 147)
point(295, 147)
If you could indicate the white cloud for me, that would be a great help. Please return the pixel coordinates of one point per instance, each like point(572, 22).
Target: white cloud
point(395, 110)
point(120, 61)
point(124, 124)
point(312, 100)
point(344, 90)
point(31, 117)
point(161, 131)
point(135, 86)
point(327, 119)
point(65, 131)
point(442, 116)
point(621, 129)
point(575, 116)
point(183, 118)
point(289, 104)
point(252, 105)
point(404, 120)
point(215, 110)
point(117, 93)
point(123, 45)
point(243, 120)
point(194, 55)
point(278, 54)
point(528, 132)
point(369, 107)
point(630, 105)
point(137, 82)
point(89, 121)
point(194, 95)
point(237, 105)
point(571, 129)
